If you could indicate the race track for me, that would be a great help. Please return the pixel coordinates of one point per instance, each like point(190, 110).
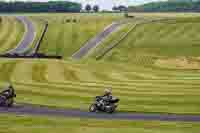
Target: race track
point(83, 51)
point(28, 36)
point(27, 109)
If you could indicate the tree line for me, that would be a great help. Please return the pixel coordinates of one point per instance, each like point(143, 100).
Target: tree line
point(168, 6)
point(96, 8)
point(89, 8)
point(52, 6)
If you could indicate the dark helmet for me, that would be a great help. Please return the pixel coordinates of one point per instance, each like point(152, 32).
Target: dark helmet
point(10, 86)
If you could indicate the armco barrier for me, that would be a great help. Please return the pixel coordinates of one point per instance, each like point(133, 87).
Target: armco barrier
point(30, 56)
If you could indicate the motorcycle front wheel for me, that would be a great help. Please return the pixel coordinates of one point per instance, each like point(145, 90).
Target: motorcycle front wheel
point(2, 101)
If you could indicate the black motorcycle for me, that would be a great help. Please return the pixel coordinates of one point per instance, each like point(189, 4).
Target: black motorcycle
point(7, 97)
point(104, 106)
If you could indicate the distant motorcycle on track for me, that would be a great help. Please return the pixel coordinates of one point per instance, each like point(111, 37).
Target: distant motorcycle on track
point(7, 97)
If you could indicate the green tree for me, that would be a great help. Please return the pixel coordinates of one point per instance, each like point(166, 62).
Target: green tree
point(88, 8)
point(96, 8)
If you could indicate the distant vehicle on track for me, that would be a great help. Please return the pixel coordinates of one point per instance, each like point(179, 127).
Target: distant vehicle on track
point(7, 97)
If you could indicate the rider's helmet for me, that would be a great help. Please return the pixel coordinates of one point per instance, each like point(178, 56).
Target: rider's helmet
point(108, 91)
point(10, 88)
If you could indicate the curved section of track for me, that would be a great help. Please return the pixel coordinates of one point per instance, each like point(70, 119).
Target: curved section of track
point(47, 111)
point(83, 51)
point(28, 36)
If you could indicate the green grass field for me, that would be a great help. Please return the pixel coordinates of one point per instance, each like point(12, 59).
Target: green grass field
point(146, 73)
point(11, 33)
point(141, 89)
point(162, 39)
point(154, 70)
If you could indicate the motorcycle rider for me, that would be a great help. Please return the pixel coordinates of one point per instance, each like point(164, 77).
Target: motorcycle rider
point(107, 97)
point(8, 91)
point(106, 102)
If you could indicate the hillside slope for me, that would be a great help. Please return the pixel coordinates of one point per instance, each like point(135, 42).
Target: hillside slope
point(168, 6)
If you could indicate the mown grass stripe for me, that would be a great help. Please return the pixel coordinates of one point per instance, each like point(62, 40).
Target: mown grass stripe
point(7, 69)
point(15, 35)
point(38, 72)
point(122, 90)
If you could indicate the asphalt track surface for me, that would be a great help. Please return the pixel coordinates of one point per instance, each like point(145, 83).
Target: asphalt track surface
point(28, 36)
point(28, 109)
point(83, 51)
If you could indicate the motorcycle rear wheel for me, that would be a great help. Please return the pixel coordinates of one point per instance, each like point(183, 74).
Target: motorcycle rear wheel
point(93, 108)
